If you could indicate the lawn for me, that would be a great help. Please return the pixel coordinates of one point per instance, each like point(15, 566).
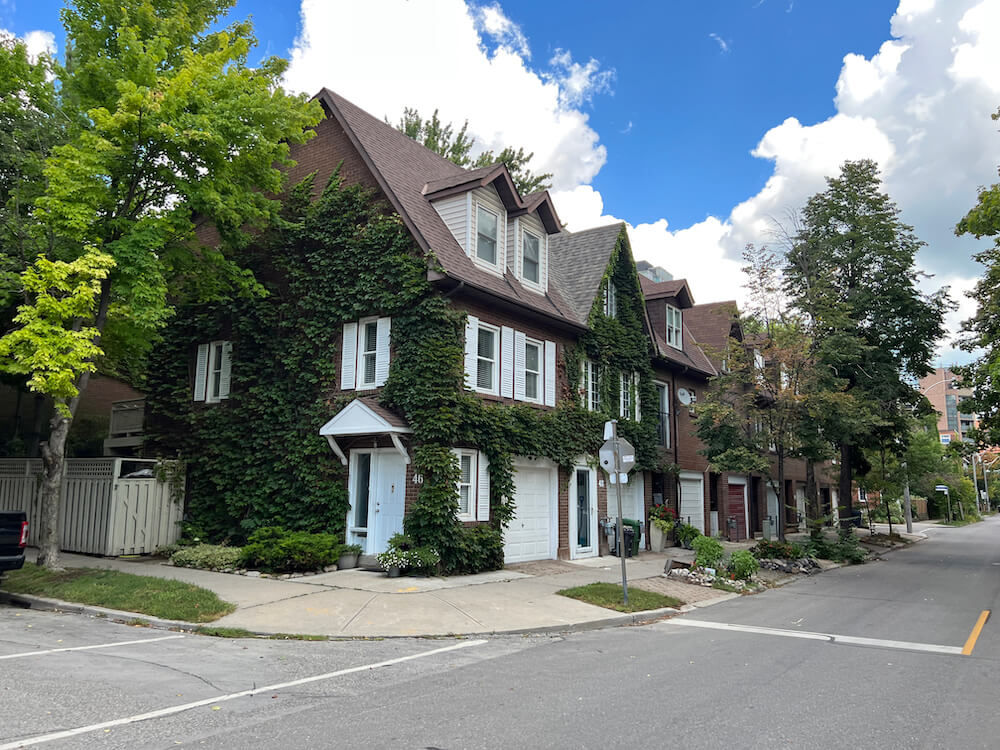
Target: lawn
point(609, 595)
point(157, 597)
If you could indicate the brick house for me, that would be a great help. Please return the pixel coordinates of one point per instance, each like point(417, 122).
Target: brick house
point(556, 323)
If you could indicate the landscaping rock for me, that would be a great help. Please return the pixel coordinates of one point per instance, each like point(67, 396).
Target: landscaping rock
point(802, 566)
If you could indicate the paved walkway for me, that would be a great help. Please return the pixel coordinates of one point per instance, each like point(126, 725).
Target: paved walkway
point(361, 603)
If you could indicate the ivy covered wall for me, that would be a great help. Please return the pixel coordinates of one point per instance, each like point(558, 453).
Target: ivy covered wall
point(257, 458)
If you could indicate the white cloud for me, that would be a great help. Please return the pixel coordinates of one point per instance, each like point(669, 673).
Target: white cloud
point(433, 55)
point(36, 42)
point(920, 107)
point(723, 44)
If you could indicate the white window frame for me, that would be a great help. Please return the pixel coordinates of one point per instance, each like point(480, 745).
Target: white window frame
point(539, 373)
point(473, 483)
point(494, 389)
point(591, 392)
point(610, 300)
point(675, 327)
point(362, 383)
point(216, 362)
point(538, 263)
point(663, 410)
point(625, 395)
point(495, 264)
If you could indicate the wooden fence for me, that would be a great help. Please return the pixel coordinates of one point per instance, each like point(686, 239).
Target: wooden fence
point(110, 506)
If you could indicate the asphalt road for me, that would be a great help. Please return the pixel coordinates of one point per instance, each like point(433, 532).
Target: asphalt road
point(863, 657)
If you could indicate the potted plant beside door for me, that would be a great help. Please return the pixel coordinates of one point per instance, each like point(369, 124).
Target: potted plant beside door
point(662, 520)
point(349, 554)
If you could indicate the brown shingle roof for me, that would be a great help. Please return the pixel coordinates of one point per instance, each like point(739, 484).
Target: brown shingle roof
point(711, 324)
point(402, 168)
point(675, 288)
point(577, 262)
point(690, 356)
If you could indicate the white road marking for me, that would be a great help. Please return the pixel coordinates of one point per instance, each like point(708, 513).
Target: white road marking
point(88, 648)
point(828, 637)
point(231, 696)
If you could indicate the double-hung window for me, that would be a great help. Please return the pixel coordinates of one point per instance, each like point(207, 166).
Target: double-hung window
point(590, 392)
point(674, 327)
point(610, 300)
point(487, 224)
point(531, 254)
point(368, 346)
point(212, 371)
point(532, 370)
point(663, 423)
point(487, 359)
point(626, 396)
point(466, 485)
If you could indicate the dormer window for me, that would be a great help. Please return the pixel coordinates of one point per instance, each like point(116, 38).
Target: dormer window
point(675, 324)
point(531, 245)
point(486, 235)
point(610, 300)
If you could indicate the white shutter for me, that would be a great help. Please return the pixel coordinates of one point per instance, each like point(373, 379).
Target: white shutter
point(383, 328)
point(543, 262)
point(520, 341)
point(471, 344)
point(507, 362)
point(201, 372)
point(483, 489)
point(349, 357)
point(622, 385)
point(550, 373)
point(225, 369)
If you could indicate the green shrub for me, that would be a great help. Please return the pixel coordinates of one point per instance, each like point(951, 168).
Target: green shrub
point(207, 557)
point(402, 553)
point(687, 533)
point(766, 549)
point(275, 550)
point(743, 564)
point(473, 549)
point(845, 549)
point(708, 551)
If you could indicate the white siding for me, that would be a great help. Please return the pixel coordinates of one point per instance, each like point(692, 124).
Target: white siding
point(513, 246)
point(454, 215)
point(489, 198)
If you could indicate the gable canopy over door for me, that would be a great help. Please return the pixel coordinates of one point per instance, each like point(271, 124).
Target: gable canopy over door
point(364, 416)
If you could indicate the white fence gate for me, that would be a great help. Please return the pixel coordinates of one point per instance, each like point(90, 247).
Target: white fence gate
point(106, 509)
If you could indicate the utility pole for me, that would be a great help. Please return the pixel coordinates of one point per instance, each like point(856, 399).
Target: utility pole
point(907, 512)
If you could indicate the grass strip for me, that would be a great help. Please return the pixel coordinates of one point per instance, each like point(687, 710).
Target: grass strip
point(609, 595)
point(157, 597)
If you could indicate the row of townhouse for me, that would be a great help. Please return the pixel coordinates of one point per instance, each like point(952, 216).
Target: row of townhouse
point(550, 319)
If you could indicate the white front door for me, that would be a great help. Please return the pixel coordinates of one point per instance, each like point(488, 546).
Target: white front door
point(531, 533)
point(692, 507)
point(582, 512)
point(377, 488)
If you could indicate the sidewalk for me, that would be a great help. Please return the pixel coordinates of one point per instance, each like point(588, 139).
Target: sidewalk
point(359, 603)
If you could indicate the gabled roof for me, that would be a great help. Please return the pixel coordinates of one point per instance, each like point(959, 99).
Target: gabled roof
point(403, 168)
point(690, 356)
point(578, 260)
point(711, 325)
point(676, 288)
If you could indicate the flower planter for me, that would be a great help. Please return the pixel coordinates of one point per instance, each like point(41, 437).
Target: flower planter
point(344, 562)
point(392, 571)
point(657, 539)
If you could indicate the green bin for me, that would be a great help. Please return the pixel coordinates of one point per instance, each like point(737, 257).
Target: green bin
point(635, 536)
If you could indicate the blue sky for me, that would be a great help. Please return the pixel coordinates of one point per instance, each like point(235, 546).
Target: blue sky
point(699, 123)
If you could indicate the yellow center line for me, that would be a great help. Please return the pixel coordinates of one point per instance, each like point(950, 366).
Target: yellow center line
point(974, 635)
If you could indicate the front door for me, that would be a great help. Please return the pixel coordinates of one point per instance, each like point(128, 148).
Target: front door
point(377, 489)
point(583, 512)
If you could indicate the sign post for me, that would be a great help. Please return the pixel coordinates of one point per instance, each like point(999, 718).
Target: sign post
point(944, 488)
point(617, 458)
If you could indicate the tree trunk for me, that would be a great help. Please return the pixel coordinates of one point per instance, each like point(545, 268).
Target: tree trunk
point(844, 487)
point(812, 493)
point(53, 454)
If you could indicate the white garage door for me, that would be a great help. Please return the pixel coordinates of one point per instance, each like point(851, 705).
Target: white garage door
point(529, 536)
point(693, 500)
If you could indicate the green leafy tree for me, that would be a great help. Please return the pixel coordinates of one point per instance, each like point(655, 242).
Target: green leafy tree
point(850, 272)
point(982, 331)
point(169, 129)
point(457, 146)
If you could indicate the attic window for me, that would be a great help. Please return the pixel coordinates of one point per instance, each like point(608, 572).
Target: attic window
point(531, 260)
point(674, 327)
point(486, 235)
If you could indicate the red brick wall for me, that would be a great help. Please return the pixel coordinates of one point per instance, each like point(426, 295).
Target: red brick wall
point(322, 153)
point(562, 498)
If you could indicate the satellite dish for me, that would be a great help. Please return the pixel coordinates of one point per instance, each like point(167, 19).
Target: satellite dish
point(684, 396)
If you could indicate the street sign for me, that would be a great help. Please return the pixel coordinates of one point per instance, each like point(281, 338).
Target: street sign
point(941, 488)
point(607, 456)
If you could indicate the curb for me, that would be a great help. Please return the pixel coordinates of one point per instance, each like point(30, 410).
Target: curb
point(30, 601)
